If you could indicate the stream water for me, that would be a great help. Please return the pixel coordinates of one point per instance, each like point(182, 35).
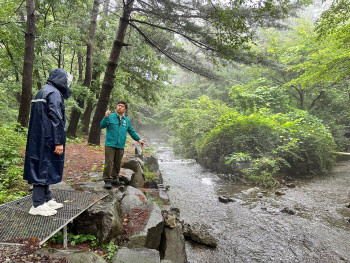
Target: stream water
point(253, 229)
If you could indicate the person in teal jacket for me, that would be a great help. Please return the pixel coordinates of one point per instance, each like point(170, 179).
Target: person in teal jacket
point(117, 126)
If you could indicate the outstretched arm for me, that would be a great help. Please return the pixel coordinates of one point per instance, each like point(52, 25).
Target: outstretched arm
point(134, 135)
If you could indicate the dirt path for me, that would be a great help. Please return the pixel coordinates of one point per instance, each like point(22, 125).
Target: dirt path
point(81, 159)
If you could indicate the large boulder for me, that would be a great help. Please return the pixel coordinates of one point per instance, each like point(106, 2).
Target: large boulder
point(134, 164)
point(151, 163)
point(126, 175)
point(138, 151)
point(200, 233)
point(137, 255)
point(156, 182)
point(103, 220)
point(150, 236)
point(133, 198)
point(95, 176)
point(84, 257)
point(158, 194)
point(173, 245)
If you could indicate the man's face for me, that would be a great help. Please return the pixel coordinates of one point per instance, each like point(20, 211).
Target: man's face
point(121, 108)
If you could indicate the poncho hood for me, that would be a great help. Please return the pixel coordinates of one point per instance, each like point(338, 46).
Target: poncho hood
point(58, 78)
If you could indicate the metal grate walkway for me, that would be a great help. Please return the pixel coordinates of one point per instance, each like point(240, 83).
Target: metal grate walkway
point(16, 223)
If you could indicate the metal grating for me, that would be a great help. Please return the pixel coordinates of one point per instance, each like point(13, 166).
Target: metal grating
point(17, 223)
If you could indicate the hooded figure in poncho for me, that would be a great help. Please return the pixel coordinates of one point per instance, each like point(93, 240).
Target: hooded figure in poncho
point(44, 158)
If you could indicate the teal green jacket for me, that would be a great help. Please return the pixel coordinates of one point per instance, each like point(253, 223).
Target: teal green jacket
point(117, 129)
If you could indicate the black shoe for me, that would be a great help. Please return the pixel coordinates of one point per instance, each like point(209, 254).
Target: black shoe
point(117, 183)
point(108, 185)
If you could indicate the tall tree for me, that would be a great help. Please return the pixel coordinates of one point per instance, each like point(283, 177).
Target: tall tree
point(214, 28)
point(28, 64)
point(75, 116)
point(97, 71)
point(107, 86)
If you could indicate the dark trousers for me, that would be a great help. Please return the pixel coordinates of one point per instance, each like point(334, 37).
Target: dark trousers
point(113, 161)
point(41, 194)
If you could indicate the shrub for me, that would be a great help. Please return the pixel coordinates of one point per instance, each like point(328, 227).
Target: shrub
point(12, 140)
point(292, 143)
point(306, 144)
point(192, 121)
point(235, 133)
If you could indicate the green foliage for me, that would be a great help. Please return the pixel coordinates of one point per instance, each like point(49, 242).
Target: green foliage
point(334, 18)
point(239, 157)
point(263, 172)
point(313, 152)
point(304, 71)
point(74, 239)
point(235, 133)
point(75, 140)
point(12, 141)
point(292, 143)
point(149, 176)
point(150, 149)
point(12, 186)
point(193, 120)
point(273, 98)
point(57, 238)
point(154, 200)
point(112, 250)
point(239, 25)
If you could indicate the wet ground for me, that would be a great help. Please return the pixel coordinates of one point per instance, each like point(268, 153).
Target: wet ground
point(253, 229)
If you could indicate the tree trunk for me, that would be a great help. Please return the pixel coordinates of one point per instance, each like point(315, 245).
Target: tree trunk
point(302, 100)
point(85, 120)
point(107, 85)
point(59, 55)
point(75, 115)
point(28, 64)
point(80, 67)
point(71, 63)
point(37, 76)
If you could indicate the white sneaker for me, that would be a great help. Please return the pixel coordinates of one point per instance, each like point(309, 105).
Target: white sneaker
point(42, 210)
point(53, 204)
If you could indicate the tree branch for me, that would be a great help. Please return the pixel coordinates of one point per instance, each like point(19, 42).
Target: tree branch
point(293, 95)
point(162, 51)
point(19, 6)
point(193, 41)
point(317, 99)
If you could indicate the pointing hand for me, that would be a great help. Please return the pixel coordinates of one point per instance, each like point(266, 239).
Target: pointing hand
point(108, 112)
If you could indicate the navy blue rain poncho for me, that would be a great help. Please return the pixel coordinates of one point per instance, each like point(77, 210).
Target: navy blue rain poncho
point(47, 128)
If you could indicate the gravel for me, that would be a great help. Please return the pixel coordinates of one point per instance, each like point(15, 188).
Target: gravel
point(25, 253)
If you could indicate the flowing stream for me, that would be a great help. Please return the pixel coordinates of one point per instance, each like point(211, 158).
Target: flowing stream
point(253, 228)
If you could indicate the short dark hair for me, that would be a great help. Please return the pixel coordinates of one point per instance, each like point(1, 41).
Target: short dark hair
point(123, 102)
